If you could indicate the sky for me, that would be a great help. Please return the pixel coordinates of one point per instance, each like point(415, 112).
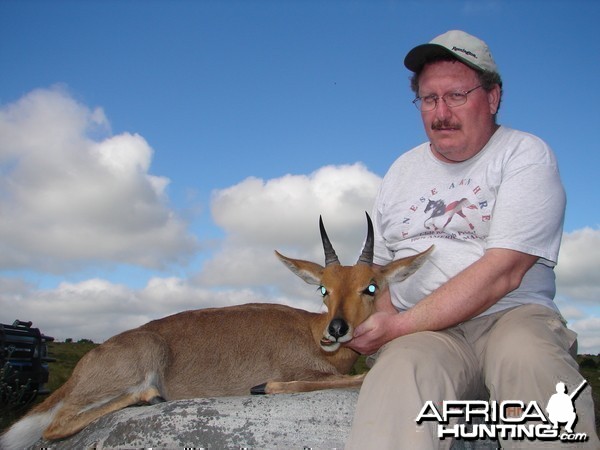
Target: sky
point(153, 154)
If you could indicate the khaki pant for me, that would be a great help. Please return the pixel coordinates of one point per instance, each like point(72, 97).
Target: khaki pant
point(518, 354)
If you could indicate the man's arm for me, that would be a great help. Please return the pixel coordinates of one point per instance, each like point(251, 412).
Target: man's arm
point(463, 297)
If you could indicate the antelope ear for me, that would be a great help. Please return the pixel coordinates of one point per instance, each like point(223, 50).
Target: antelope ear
point(401, 269)
point(310, 272)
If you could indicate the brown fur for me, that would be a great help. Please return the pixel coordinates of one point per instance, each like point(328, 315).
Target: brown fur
point(224, 351)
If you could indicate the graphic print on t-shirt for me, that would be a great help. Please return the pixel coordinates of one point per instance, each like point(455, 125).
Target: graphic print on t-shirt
point(442, 214)
point(456, 211)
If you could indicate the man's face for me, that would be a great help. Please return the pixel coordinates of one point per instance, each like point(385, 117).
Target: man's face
point(459, 133)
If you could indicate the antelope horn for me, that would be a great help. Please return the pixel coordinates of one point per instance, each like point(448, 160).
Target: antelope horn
point(330, 256)
point(366, 256)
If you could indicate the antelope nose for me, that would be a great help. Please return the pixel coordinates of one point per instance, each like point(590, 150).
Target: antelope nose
point(337, 328)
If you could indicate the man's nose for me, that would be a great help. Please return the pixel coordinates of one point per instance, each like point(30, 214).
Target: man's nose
point(442, 111)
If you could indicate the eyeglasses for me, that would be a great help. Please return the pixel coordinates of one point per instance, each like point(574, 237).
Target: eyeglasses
point(451, 99)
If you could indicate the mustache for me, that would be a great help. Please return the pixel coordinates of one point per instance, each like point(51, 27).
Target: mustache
point(445, 124)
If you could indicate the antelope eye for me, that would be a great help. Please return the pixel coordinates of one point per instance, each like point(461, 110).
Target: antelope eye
point(323, 290)
point(371, 289)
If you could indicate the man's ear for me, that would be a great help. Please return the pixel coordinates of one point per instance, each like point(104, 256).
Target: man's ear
point(494, 99)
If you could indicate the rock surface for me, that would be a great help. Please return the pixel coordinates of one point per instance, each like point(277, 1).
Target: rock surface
point(318, 420)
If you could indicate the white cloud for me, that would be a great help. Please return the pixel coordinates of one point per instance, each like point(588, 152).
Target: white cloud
point(97, 309)
point(578, 286)
point(282, 214)
point(271, 211)
point(579, 265)
point(68, 200)
point(588, 335)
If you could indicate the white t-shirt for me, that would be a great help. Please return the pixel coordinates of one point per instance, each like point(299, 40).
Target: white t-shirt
point(507, 196)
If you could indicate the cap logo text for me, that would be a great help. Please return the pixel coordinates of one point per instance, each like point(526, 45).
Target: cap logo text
point(466, 52)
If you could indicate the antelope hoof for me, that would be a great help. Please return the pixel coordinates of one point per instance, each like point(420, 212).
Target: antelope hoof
point(261, 389)
point(156, 400)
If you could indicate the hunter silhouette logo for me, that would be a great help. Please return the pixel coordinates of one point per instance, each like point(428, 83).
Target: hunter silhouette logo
point(560, 406)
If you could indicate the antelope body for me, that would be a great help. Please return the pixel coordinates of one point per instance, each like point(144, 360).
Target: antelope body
point(252, 348)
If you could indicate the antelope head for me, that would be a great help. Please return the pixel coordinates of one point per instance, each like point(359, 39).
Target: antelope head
point(349, 292)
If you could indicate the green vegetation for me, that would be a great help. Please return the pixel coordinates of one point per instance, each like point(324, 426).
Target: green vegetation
point(590, 369)
point(67, 354)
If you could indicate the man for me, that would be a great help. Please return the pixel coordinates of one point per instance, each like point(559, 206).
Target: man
point(477, 321)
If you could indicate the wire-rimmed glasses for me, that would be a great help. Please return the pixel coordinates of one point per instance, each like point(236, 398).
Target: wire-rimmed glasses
point(451, 99)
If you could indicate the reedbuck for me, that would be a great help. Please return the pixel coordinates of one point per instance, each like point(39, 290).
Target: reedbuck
point(258, 348)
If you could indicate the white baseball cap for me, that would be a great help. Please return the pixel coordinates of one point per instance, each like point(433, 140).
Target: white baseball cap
point(466, 48)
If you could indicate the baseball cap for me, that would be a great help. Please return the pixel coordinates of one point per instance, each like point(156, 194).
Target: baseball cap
point(466, 48)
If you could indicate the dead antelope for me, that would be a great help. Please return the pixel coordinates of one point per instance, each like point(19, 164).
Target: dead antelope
point(223, 351)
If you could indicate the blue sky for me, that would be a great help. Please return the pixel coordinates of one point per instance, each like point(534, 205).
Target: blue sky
point(213, 117)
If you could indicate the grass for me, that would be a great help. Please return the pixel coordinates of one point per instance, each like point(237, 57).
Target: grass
point(589, 366)
point(68, 354)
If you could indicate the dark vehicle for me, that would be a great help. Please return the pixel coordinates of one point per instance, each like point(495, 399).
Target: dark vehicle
point(24, 360)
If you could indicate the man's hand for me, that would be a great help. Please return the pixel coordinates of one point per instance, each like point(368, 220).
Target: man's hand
point(373, 333)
